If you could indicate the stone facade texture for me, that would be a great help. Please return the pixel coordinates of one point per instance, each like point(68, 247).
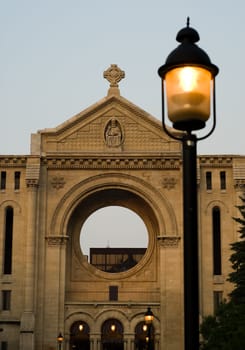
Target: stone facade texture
point(112, 153)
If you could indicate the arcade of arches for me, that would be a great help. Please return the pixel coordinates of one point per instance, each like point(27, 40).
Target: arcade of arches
point(112, 336)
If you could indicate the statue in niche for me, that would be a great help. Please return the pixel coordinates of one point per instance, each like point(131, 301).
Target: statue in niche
point(113, 133)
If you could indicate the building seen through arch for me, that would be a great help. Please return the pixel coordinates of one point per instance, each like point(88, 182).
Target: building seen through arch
point(111, 154)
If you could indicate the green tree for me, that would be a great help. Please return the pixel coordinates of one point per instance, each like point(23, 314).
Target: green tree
point(226, 329)
point(238, 260)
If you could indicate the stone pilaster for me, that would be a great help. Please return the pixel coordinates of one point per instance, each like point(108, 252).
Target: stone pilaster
point(27, 326)
point(54, 293)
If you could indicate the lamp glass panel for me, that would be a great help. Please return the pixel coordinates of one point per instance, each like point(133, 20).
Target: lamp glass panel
point(149, 318)
point(188, 94)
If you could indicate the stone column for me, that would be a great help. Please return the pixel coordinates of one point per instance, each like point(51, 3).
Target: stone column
point(129, 342)
point(94, 342)
point(27, 325)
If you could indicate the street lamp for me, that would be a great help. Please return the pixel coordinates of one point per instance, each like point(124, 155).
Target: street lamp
point(60, 340)
point(149, 317)
point(188, 76)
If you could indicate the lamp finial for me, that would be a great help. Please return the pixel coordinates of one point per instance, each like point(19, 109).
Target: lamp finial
point(188, 22)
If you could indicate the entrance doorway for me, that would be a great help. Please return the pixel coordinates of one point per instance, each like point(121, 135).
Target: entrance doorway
point(79, 338)
point(143, 336)
point(112, 335)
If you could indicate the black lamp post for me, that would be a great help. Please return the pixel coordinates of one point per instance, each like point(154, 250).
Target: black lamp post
point(188, 76)
point(149, 317)
point(60, 340)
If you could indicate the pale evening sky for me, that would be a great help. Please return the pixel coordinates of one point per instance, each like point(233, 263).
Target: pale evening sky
point(53, 54)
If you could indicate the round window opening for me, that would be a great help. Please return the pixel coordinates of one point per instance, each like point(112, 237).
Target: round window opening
point(114, 239)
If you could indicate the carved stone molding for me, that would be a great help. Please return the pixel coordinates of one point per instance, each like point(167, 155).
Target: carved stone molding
point(9, 161)
point(169, 241)
point(215, 161)
point(56, 240)
point(112, 163)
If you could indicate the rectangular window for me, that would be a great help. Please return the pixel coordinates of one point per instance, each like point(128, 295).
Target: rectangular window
point(222, 180)
point(4, 345)
point(218, 297)
point(113, 293)
point(17, 180)
point(6, 299)
point(3, 180)
point(208, 180)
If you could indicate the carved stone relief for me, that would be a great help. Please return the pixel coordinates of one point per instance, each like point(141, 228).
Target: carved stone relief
point(169, 182)
point(113, 133)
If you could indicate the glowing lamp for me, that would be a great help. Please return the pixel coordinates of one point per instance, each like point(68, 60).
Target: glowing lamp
point(60, 338)
point(149, 316)
point(188, 78)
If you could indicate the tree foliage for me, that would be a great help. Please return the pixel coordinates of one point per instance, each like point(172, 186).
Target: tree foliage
point(238, 260)
point(226, 329)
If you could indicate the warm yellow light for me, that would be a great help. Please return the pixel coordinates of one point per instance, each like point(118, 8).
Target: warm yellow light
point(113, 327)
point(80, 327)
point(188, 94)
point(60, 338)
point(188, 78)
point(149, 316)
point(144, 327)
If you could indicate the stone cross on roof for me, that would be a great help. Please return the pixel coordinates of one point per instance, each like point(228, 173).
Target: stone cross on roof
point(114, 75)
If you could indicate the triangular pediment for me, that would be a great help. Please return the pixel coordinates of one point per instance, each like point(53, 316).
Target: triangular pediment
point(111, 125)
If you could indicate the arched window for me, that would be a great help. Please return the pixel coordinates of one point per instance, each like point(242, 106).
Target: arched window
point(144, 337)
point(80, 338)
point(8, 240)
point(112, 335)
point(217, 266)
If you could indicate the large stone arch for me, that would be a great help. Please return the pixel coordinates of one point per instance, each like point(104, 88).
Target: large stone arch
point(161, 209)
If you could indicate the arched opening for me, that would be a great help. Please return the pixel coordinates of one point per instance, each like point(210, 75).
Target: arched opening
point(144, 335)
point(114, 239)
point(118, 199)
point(79, 336)
point(216, 223)
point(8, 243)
point(112, 335)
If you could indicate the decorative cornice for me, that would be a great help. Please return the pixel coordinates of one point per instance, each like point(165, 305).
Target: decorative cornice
point(169, 241)
point(56, 240)
point(13, 161)
point(112, 162)
point(215, 161)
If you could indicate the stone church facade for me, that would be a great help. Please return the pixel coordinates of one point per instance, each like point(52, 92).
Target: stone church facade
point(112, 153)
